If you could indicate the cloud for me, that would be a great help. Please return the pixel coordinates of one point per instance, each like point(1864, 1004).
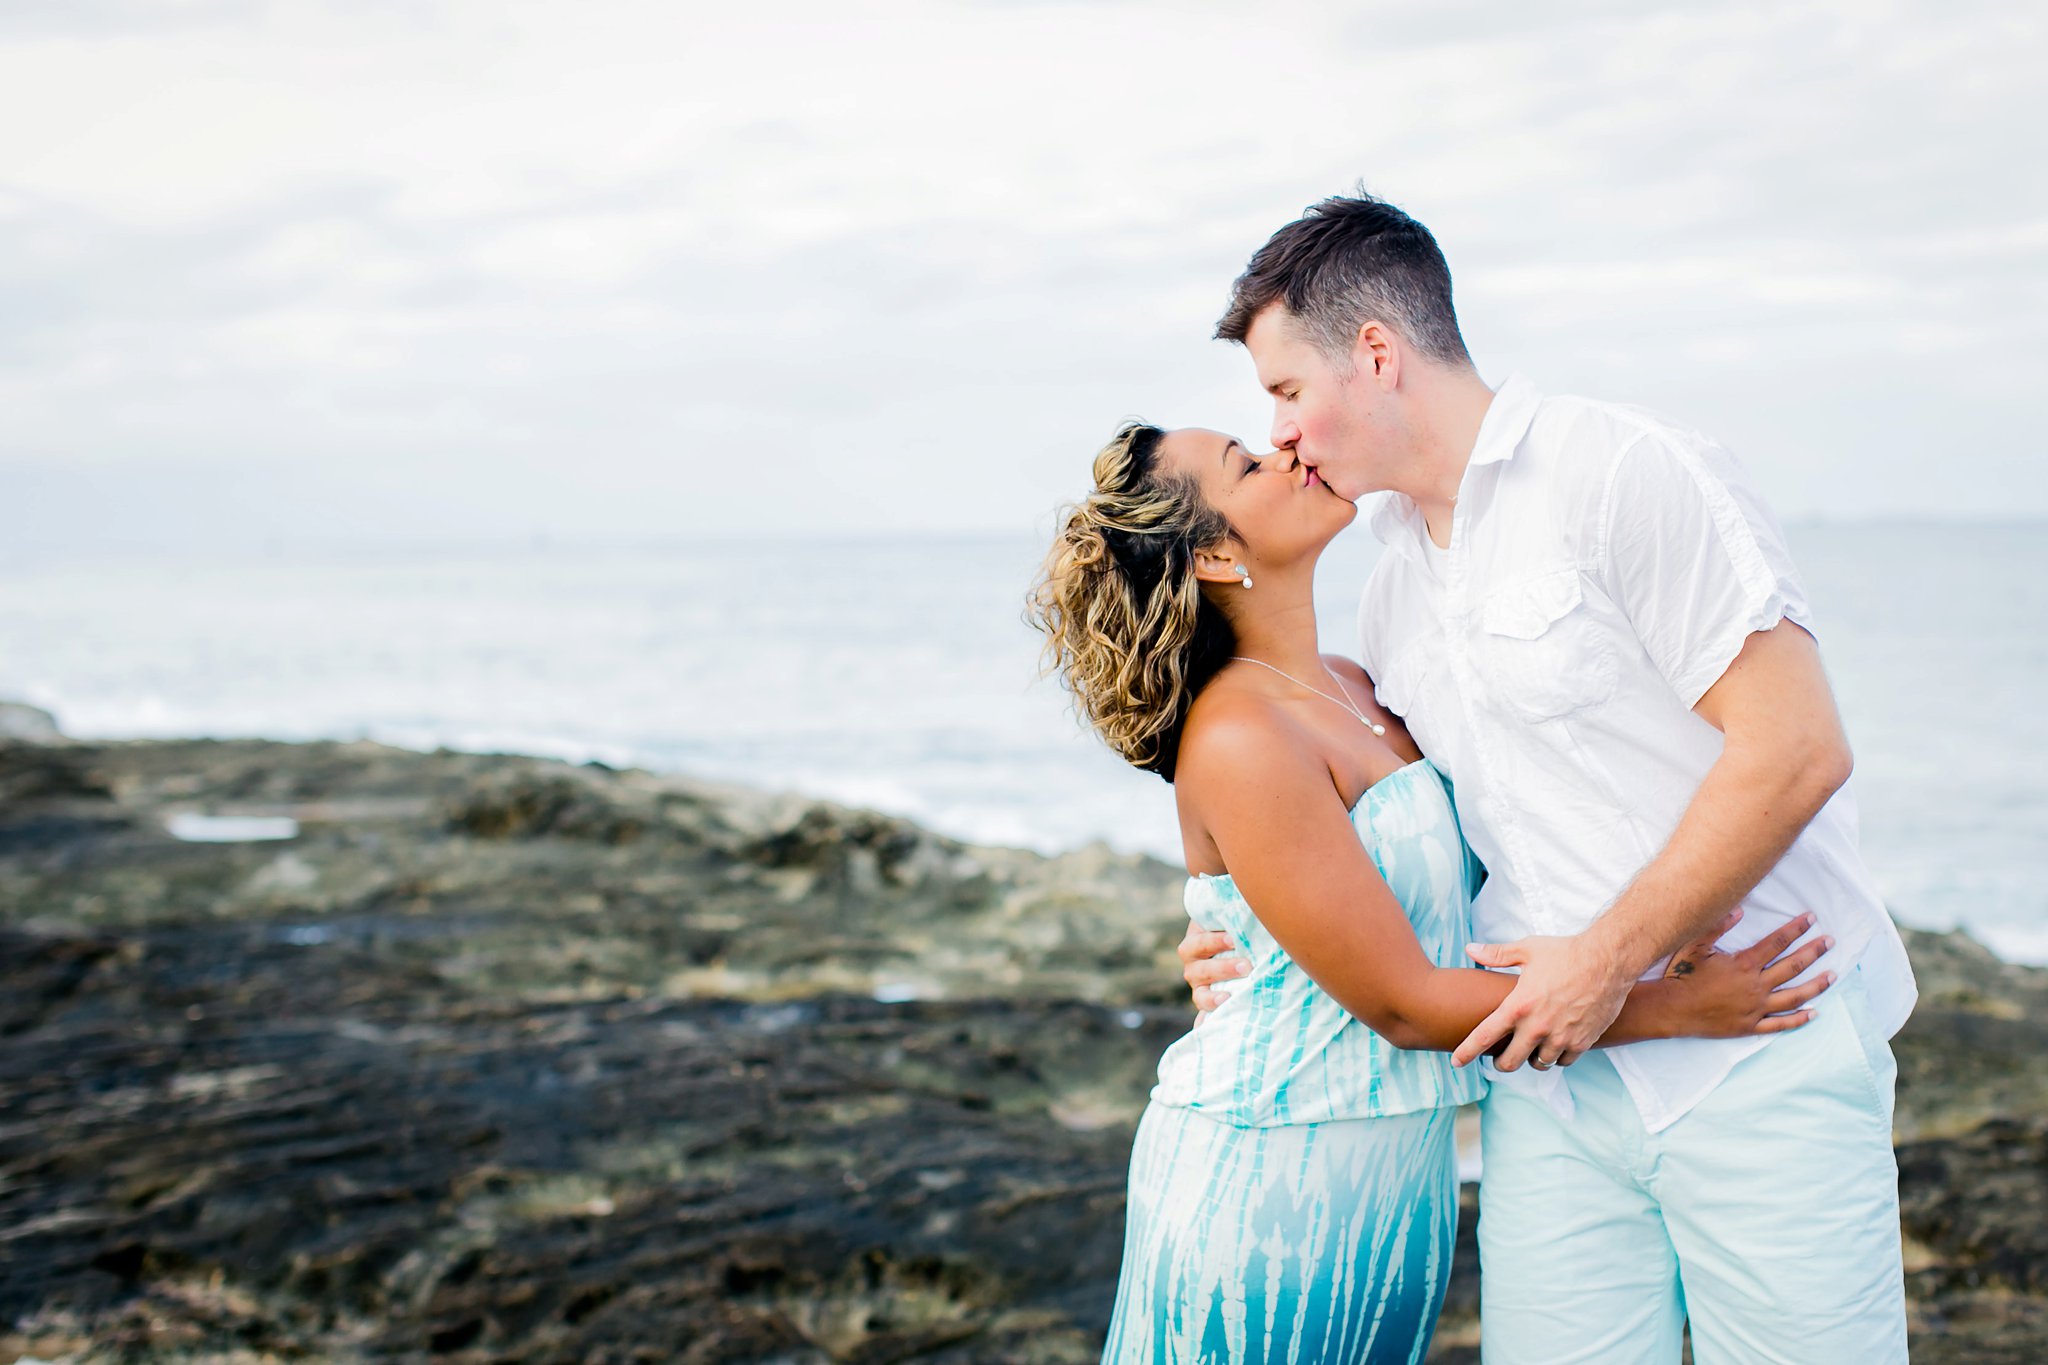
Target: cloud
point(634, 269)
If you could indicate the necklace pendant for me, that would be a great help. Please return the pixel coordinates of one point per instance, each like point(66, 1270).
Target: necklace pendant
point(1371, 725)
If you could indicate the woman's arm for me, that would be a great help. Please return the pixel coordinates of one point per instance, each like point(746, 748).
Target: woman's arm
point(1280, 825)
point(1706, 993)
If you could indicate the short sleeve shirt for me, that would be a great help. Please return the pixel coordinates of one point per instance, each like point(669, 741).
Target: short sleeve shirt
point(1605, 568)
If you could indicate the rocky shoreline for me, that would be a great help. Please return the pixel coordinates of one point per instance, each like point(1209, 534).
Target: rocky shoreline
point(502, 1059)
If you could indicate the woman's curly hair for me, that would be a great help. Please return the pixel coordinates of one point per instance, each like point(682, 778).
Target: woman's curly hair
point(1126, 624)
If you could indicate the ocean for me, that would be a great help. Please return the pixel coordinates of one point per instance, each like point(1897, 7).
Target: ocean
point(900, 674)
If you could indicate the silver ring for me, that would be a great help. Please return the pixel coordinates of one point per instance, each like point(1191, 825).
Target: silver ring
point(1539, 1064)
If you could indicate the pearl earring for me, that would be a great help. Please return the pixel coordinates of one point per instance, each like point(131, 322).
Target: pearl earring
point(1244, 577)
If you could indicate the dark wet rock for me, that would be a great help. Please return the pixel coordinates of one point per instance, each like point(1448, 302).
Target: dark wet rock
point(1975, 1210)
point(43, 972)
point(566, 805)
point(1976, 1200)
point(52, 799)
point(36, 775)
point(579, 879)
point(422, 1171)
point(507, 1060)
point(1977, 1045)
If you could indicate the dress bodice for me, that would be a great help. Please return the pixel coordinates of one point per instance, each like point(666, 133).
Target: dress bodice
point(1280, 1050)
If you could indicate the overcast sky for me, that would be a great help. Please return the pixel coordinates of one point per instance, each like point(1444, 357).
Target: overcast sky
point(496, 269)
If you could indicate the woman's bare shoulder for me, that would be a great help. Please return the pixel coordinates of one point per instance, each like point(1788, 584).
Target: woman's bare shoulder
point(1231, 730)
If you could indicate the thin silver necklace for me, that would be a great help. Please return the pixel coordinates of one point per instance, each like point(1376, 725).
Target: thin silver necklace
point(1341, 701)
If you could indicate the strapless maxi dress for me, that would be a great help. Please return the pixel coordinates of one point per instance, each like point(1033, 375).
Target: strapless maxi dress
point(1293, 1189)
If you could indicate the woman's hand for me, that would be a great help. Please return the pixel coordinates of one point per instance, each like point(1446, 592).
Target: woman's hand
point(1208, 958)
point(1737, 995)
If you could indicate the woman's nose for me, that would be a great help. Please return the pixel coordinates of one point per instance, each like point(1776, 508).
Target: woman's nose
point(1282, 460)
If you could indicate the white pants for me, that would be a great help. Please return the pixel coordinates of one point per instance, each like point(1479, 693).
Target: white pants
point(1769, 1214)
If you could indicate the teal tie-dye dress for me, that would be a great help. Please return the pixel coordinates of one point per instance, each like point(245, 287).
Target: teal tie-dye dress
point(1293, 1191)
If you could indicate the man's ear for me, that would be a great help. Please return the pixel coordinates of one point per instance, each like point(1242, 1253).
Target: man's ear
point(1377, 354)
point(1219, 564)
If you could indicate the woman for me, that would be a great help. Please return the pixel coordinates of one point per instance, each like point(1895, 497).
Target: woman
point(1293, 1193)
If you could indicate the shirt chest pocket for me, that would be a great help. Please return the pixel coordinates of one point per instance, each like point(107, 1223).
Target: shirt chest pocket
point(1540, 649)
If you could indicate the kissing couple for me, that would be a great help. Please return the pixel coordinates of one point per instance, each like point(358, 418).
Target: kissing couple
point(1572, 837)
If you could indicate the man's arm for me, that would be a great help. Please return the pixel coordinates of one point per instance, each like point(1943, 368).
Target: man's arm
point(1276, 817)
point(1784, 755)
point(1694, 559)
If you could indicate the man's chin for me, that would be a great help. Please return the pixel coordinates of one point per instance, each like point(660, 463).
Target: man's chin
point(1341, 488)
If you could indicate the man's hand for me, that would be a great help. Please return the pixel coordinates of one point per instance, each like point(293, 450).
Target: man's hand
point(1207, 958)
point(1567, 995)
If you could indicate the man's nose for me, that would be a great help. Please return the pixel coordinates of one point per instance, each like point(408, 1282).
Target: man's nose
point(1285, 434)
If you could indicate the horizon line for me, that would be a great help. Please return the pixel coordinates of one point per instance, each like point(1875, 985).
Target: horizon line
point(542, 542)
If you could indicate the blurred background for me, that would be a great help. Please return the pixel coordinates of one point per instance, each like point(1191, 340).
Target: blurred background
point(693, 386)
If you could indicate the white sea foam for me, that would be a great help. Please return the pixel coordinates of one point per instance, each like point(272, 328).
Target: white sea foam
point(230, 829)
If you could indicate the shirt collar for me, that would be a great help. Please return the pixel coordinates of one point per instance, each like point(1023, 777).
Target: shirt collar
point(1500, 434)
point(1395, 511)
point(1506, 422)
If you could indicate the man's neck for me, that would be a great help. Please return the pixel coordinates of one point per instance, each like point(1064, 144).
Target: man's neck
point(1453, 408)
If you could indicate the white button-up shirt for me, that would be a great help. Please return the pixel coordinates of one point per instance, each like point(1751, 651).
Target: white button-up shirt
point(1605, 568)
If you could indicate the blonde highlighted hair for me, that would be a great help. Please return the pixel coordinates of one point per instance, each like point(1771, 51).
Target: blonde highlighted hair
point(1126, 624)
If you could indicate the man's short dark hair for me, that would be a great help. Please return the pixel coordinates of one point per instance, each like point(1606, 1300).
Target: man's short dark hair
point(1343, 263)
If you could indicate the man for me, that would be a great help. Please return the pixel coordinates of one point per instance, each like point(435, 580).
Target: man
point(1591, 624)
